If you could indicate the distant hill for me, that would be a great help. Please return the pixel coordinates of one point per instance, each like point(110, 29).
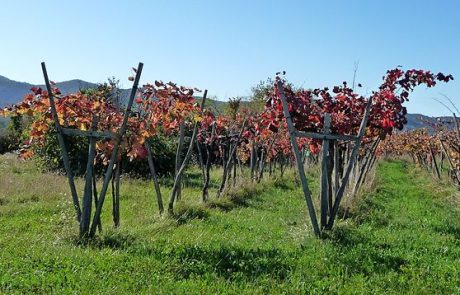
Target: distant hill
point(416, 121)
point(12, 91)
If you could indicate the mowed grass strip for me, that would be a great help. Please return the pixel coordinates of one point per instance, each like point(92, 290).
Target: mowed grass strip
point(403, 238)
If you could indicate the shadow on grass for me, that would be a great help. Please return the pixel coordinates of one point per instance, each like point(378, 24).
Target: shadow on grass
point(223, 204)
point(369, 260)
point(282, 183)
point(110, 239)
point(184, 213)
point(361, 254)
point(368, 210)
point(345, 236)
point(448, 229)
point(190, 179)
point(245, 195)
point(230, 263)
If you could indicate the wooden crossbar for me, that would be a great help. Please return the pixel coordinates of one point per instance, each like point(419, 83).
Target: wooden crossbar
point(323, 136)
point(88, 133)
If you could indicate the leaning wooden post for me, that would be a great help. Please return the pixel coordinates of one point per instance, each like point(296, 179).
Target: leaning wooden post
point(118, 137)
point(353, 157)
point(228, 166)
point(95, 197)
point(449, 160)
point(178, 179)
point(441, 165)
point(88, 193)
point(371, 162)
point(153, 172)
point(295, 148)
point(435, 163)
point(263, 160)
point(61, 140)
point(252, 160)
point(116, 194)
point(200, 158)
point(457, 127)
point(180, 147)
point(336, 173)
point(205, 193)
point(324, 172)
point(362, 172)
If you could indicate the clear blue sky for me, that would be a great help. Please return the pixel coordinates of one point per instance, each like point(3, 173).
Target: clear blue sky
point(228, 46)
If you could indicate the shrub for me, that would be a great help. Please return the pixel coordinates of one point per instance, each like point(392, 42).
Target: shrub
point(10, 135)
point(49, 156)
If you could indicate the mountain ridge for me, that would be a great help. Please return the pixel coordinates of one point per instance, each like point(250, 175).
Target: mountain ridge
point(12, 91)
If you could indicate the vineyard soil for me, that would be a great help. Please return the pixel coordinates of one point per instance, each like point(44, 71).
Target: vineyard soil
point(404, 237)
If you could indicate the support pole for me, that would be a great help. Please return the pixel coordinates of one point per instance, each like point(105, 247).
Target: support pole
point(324, 172)
point(154, 177)
point(61, 140)
point(88, 193)
point(353, 158)
point(295, 148)
point(120, 133)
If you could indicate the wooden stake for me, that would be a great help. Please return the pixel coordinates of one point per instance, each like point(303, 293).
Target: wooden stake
point(228, 165)
point(88, 194)
point(295, 148)
point(62, 145)
point(180, 147)
point(353, 158)
point(178, 179)
point(451, 164)
point(324, 172)
point(118, 137)
point(116, 195)
point(336, 173)
point(205, 193)
point(433, 156)
point(156, 184)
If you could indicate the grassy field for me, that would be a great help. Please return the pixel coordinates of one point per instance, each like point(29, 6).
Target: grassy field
point(404, 237)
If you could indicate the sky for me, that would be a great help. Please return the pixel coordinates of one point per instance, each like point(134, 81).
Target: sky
point(229, 46)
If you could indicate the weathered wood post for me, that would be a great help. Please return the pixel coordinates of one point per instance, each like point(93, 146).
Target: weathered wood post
point(435, 163)
point(295, 148)
point(178, 179)
point(228, 165)
point(62, 145)
point(353, 158)
point(209, 146)
point(153, 172)
point(336, 173)
point(324, 172)
point(180, 148)
point(88, 193)
point(118, 138)
point(451, 164)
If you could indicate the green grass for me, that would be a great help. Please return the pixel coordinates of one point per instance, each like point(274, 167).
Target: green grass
point(403, 238)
